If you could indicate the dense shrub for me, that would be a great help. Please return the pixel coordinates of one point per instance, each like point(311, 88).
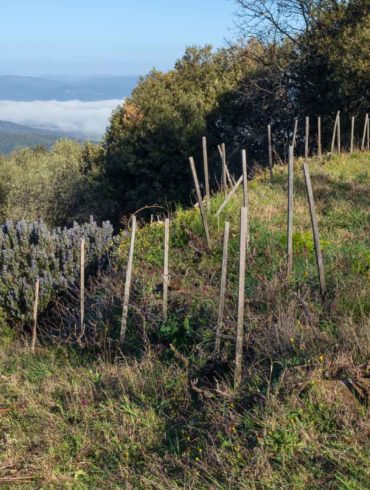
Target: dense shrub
point(30, 251)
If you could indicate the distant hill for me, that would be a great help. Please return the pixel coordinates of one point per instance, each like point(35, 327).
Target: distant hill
point(21, 88)
point(13, 136)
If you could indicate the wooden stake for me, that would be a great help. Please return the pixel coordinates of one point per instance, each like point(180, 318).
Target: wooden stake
point(245, 190)
point(307, 135)
point(200, 201)
point(270, 148)
point(241, 300)
point(365, 132)
point(295, 133)
point(35, 309)
point(230, 179)
point(82, 288)
point(206, 173)
point(290, 211)
point(352, 133)
point(224, 182)
point(315, 232)
point(165, 267)
point(334, 134)
point(368, 134)
point(338, 134)
point(126, 296)
point(319, 146)
point(229, 196)
point(220, 320)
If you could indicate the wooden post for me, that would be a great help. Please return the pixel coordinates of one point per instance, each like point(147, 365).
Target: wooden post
point(82, 289)
point(35, 309)
point(368, 134)
point(290, 211)
point(334, 134)
point(319, 145)
point(206, 172)
point(200, 201)
point(365, 132)
point(352, 133)
point(307, 135)
point(229, 196)
point(165, 266)
point(230, 179)
point(241, 300)
point(220, 320)
point(270, 148)
point(338, 134)
point(295, 132)
point(126, 296)
point(245, 190)
point(224, 177)
point(228, 176)
point(315, 231)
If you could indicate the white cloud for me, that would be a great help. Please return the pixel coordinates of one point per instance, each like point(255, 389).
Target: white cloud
point(87, 118)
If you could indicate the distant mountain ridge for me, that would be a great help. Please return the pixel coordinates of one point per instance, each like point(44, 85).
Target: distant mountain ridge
point(63, 88)
point(13, 136)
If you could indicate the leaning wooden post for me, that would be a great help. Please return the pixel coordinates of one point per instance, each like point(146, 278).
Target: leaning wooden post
point(241, 300)
point(228, 176)
point(82, 288)
point(221, 307)
point(334, 134)
point(307, 135)
point(200, 201)
point(229, 196)
point(315, 231)
point(295, 132)
point(352, 133)
point(338, 134)
point(290, 212)
point(269, 148)
point(35, 309)
point(245, 190)
point(165, 266)
point(364, 133)
point(319, 145)
point(224, 176)
point(126, 296)
point(206, 172)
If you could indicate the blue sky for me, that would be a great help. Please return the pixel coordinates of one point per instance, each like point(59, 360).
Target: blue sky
point(84, 37)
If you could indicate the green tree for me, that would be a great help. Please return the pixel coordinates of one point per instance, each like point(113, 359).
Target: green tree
point(152, 135)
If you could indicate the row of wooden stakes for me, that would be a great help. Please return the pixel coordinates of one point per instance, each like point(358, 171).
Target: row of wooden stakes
point(244, 242)
point(204, 206)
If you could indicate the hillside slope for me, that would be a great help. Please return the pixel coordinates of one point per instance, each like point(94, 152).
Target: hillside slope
point(13, 136)
point(165, 416)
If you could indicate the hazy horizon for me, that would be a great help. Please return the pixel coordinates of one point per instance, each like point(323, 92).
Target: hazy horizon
point(65, 44)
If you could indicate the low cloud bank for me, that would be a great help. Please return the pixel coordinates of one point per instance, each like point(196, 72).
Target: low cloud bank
point(89, 119)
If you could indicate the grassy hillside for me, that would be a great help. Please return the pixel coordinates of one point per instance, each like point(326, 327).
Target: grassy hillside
point(165, 415)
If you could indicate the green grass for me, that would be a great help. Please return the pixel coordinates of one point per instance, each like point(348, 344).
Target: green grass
point(165, 416)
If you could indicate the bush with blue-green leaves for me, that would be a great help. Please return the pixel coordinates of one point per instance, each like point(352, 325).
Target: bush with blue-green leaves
point(30, 251)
